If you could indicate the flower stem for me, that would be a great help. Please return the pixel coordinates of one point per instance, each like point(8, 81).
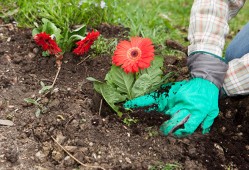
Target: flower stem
point(56, 76)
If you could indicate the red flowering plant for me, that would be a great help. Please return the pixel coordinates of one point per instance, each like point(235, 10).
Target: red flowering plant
point(134, 72)
point(55, 42)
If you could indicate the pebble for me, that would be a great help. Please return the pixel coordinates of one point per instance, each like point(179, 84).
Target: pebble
point(40, 168)
point(228, 114)
point(90, 144)
point(223, 129)
point(40, 156)
point(128, 160)
point(56, 155)
point(35, 50)
point(60, 138)
point(68, 161)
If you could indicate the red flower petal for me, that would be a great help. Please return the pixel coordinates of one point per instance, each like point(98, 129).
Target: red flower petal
point(134, 54)
point(47, 43)
point(84, 45)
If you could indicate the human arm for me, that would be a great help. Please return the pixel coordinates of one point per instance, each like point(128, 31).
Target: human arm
point(237, 77)
point(196, 102)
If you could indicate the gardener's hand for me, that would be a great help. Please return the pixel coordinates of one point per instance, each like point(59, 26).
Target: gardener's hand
point(190, 103)
point(195, 103)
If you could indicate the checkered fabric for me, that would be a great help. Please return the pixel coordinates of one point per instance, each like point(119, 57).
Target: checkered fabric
point(207, 32)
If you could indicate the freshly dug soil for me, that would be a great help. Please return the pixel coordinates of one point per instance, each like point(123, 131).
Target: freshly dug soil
point(78, 119)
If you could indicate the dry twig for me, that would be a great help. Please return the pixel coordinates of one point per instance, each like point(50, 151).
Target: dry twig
point(85, 165)
point(100, 106)
point(84, 60)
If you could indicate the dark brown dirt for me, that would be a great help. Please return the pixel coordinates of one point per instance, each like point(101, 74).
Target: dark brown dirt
point(99, 139)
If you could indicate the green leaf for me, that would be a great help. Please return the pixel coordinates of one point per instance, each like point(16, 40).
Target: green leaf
point(32, 101)
point(36, 31)
point(110, 95)
point(45, 53)
point(44, 88)
point(79, 31)
point(141, 85)
point(74, 38)
point(155, 73)
point(93, 79)
point(122, 80)
point(50, 28)
point(155, 69)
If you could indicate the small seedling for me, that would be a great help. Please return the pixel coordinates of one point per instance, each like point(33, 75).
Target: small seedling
point(130, 121)
point(40, 108)
point(45, 89)
point(152, 132)
point(167, 166)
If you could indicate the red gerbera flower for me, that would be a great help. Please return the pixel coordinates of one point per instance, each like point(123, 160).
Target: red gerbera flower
point(134, 54)
point(47, 43)
point(85, 44)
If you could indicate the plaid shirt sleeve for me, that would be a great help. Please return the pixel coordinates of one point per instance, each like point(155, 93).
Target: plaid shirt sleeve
point(237, 77)
point(209, 24)
point(207, 32)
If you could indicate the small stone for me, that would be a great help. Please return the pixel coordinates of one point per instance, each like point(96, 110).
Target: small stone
point(40, 168)
point(35, 50)
point(41, 157)
point(223, 129)
point(57, 155)
point(60, 138)
point(71, 149)
point(68, 161)
point(95, 122)
point(46, 148)
point(128, 160)
point(90, 144)
point(228, 114)
point(31, 55)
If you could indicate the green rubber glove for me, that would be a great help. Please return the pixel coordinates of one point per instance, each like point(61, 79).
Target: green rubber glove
point(189, 103)
point(159, 100)
point(195, 103)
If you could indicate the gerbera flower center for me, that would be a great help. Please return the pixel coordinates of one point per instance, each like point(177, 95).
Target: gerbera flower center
point(134, 53)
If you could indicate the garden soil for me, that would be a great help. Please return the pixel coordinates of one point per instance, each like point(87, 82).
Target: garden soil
point(77, 129)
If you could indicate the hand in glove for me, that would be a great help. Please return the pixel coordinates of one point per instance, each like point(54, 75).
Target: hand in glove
point(189, 103)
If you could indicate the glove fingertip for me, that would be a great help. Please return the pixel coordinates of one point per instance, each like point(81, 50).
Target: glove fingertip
point(205, 131)
point(164, 129)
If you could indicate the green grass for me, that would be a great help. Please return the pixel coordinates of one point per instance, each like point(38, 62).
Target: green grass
point(157, 19)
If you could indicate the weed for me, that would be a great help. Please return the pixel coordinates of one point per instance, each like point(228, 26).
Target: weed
point(40, 108)
point(152, 132)
point(129, 121)
point(104, 46)
point(167, 166)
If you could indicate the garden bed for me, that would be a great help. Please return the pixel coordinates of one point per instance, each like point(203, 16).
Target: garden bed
point(82, 123)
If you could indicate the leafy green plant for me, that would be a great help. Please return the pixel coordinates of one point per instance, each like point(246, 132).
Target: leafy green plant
point(120, 86)
point(104, 46)
point(65, 39)
point(64, 13)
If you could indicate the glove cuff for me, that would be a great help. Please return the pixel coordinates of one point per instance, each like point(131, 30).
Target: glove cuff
point(207, 66)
